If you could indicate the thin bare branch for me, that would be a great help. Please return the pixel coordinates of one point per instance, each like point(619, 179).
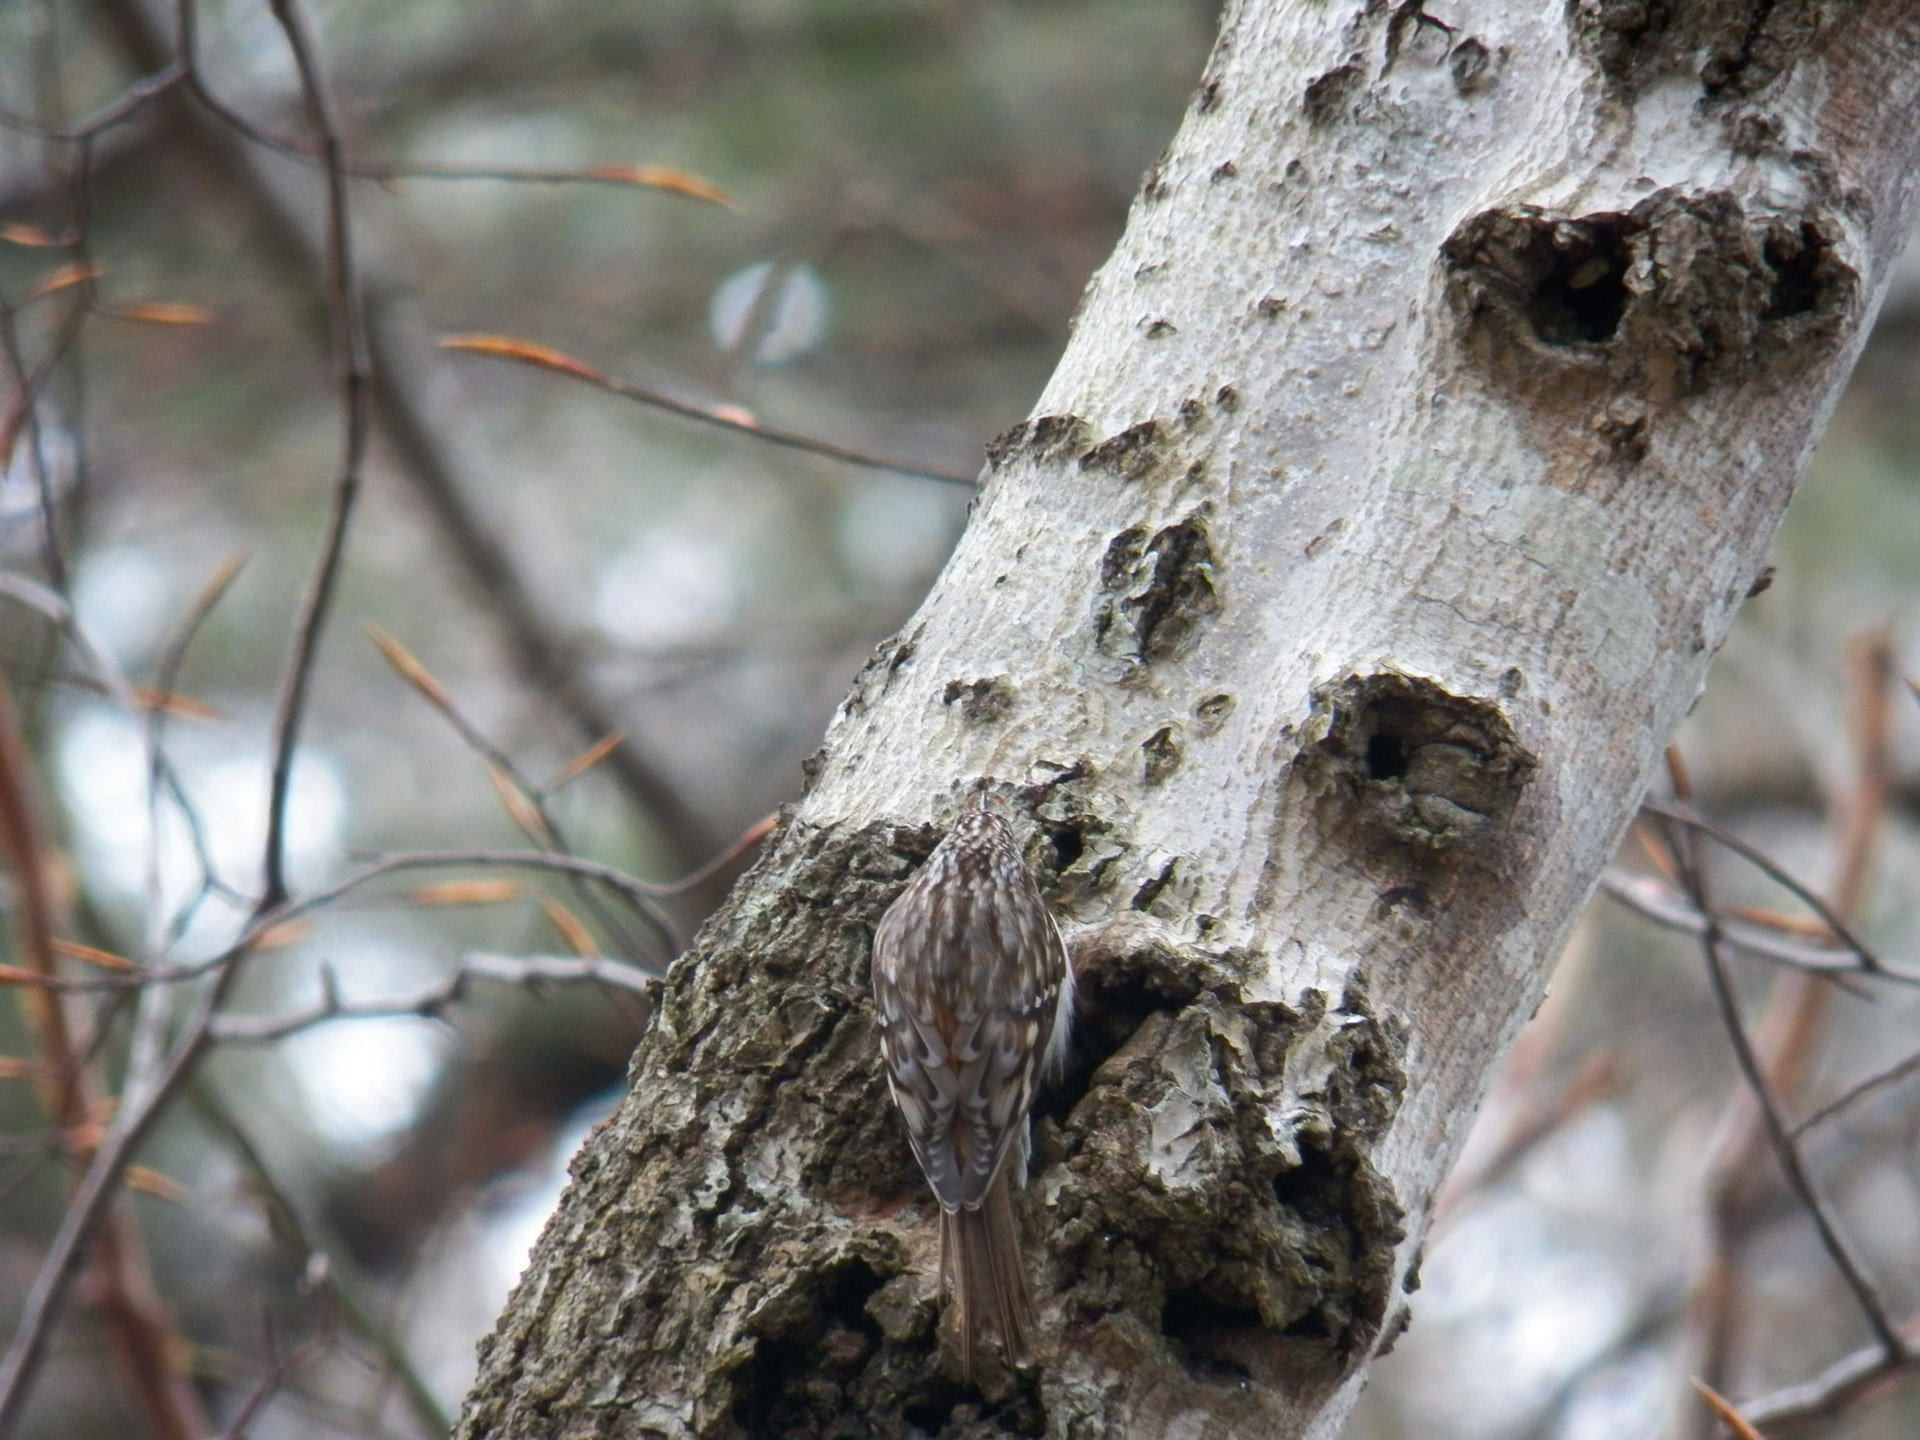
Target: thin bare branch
point(350, 359)
point(541, 652)
point(749, 838)
point(23, 425)
point(644, 177)
point(543, 358)
point(136, 1322)
point(525, 801)
point(545, 657)
point(640, 894)
point(1785, 1045)
point(632, 177)
point(1865, 1292)
point(1653, 900)
point(279, 1370)
point(1773, 870)
point(130, 103)
point(1893, 1075)
point(431, 1001)
point(132, 1122)
point(1834, 1388)
point(1741, 1427)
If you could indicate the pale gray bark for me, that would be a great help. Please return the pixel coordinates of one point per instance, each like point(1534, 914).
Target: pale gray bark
point(1409, 461)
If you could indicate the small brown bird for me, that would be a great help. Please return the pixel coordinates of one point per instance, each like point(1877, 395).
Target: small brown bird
point(975, 998)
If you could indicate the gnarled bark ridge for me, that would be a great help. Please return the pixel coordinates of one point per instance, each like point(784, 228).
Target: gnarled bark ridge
point(1408, 463)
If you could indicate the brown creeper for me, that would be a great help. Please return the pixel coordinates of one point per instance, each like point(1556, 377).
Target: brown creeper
point(975, 998)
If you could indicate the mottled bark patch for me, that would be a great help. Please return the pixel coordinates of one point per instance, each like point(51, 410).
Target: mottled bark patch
point(982, 701)
point(1677, 294)
point(889, 657)
point(1327, 95)
point(1045, 438)
point(1155, 590)
point(1133, 454)
point(1211, 1208)
point(1081, 831)
point(1740, 47)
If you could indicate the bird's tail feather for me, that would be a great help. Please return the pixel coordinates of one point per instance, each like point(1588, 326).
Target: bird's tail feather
point(981, 1267)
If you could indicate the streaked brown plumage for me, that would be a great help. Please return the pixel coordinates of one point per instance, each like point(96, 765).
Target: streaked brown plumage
point(975, 998)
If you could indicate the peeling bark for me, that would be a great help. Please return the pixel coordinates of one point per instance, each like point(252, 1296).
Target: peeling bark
point(1409, 461)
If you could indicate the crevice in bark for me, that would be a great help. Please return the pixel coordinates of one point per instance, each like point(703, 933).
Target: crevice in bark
point(808, 1348)
point(1471, 65)
point(1123, 977)
point(1161, 752)
point(1680, 293)
point(1079, 831)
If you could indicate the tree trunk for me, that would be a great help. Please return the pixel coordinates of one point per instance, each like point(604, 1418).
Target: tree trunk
point(1407, 465)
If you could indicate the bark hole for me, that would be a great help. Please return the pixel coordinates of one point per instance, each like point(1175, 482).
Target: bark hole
point(1068, 846)
point(1210, 1335)
point(1567, 278)
point(1112, 1002)
point(809, 1354)
point(1386, 758)
point(1417, 771)
point(1583, 293)
point(1795, 258)
point(1681, 292)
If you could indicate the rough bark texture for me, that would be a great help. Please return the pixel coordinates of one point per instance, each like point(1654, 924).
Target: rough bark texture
point(1409, 461)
